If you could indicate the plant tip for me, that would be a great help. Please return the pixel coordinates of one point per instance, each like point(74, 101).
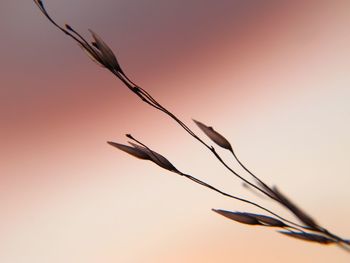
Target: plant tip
point(68, 27)
point(39, 2)
point(214, 135)
point(111, 143)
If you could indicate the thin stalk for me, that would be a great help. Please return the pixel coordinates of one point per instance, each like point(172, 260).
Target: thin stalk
point(247, 170)
point(146, 97)
point(196, 180)
point(318, 230)
point(339, 241)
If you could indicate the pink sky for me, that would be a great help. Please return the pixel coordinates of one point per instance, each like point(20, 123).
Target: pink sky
point(272, 76)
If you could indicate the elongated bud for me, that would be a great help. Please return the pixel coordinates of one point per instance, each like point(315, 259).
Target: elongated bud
point(156, 158)
point(303, 217)
point(69, 27)
point(107, 54)
point(308, 237)
point(239, 217)
point(39, 3)
point(214, 135)
point(145, 154)
point(94, 56)
point(266, 220)
point(131, 150)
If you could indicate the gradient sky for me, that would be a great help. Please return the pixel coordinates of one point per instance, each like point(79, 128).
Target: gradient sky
point(272, 76)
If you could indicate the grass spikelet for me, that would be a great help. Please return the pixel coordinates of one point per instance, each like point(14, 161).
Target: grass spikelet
point(267, 220)
point(131, 150)
point(214, 135)
point(107, 54)
point(238, 217)
point(308, 237)
point(305, 218)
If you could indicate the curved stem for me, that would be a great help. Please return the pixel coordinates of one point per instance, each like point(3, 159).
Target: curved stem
point(194, 179)
point(319, 230)
point(247, 170)
point(146, 97)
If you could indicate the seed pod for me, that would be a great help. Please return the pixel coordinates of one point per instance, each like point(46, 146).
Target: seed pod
point(305, 218)
point(156, 158)
point(308, 237)
point(214, 135)
point(239, 217)
point(131, 150)
point(107, 54)
point(40, 4)
point(267, 220)
point(94, 55)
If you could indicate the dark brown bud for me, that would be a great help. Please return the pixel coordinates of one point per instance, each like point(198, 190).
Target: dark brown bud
point(239, 217)
point(214, 135)
point(308, 237)
point(131, 150)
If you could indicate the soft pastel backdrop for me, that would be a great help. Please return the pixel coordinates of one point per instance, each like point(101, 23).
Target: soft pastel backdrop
point(272, 76)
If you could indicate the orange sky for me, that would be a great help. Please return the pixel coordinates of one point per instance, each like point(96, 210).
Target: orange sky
point(271, 76)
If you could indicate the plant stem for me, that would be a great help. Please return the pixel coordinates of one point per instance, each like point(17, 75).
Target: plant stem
point(194, 179)
point(146, 97)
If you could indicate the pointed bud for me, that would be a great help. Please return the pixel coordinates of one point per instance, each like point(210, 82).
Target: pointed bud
point(156, 158)
point(267, 220)
point(214, 135)
point(239, 217)
point(131, 150)
point(303, 217)
point(107, 54)
point(39, 3)
point(69, 27)
point(94, 56)
point(308, 237)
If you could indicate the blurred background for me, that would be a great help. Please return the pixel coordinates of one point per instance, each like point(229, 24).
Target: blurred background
point(271, 76)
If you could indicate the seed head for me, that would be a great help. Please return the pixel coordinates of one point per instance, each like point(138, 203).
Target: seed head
point(308, 237)
point(239, 217)
point(107, 55)
point(214, 135)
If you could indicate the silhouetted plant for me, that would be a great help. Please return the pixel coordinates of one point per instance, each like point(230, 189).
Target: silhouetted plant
point(308, 229)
